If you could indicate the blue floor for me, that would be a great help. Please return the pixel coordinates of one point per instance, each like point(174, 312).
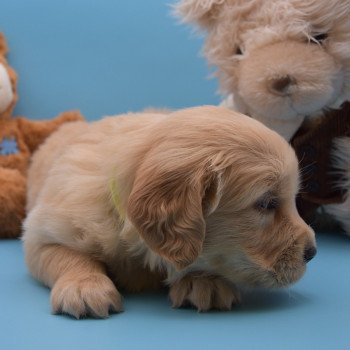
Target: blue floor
point(112, 56)
point(313, 314)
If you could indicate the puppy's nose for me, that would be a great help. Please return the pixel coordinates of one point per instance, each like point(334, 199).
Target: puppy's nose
point(281, 85)
point(309, 253)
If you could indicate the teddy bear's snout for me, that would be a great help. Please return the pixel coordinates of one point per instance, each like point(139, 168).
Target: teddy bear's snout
point(283, 79)
point(282, 85)
point(6, 93)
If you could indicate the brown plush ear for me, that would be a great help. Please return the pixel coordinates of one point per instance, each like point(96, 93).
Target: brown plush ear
point(3, 45)
point(168, 208)
point(201, 12)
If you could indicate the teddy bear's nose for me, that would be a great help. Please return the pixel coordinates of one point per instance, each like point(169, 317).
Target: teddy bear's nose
point(281, 85)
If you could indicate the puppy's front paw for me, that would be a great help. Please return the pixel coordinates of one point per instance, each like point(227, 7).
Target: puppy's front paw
point(203, 292)
point(93, 295)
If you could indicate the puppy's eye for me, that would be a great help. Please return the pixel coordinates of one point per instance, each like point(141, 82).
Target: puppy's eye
point(238, 51)
point(319, 38)
point(267, 204)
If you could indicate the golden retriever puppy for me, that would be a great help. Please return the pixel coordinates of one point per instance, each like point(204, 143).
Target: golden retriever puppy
point(201, 200)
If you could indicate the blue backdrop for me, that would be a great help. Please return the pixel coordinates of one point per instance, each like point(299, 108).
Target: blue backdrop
point(108, 57)
point(102, 57)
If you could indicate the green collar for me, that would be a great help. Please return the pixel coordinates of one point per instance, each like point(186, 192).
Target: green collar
point(113, 188)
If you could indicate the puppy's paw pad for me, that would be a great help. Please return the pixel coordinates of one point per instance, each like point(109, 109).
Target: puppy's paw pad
point(204, 292)
point(94, 295)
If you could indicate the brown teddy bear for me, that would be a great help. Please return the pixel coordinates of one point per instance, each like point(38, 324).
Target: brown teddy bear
point(19, 138)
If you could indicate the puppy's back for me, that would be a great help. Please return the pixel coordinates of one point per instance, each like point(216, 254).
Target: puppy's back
point(88, 134)
point(46, 155)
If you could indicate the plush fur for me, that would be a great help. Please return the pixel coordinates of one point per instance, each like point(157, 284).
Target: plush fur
point(19, 138)
point(280, 61)
point(201, 200)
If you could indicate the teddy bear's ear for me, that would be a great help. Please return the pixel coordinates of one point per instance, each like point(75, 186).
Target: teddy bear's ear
point(3, 45)
point(201, 12)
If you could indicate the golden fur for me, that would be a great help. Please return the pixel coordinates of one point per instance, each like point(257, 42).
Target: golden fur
point(202, 197)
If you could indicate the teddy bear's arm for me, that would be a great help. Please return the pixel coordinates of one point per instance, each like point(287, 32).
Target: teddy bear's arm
point(35, 132)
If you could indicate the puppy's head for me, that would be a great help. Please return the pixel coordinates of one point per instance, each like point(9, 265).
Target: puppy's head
point(216, 193)
point(279, 58)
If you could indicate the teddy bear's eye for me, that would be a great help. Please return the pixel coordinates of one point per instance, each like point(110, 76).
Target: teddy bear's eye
point(238, 51)
point(320, 38)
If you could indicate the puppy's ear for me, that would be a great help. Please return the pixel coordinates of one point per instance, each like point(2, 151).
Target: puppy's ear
point(200, 12)
point(168, 208)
